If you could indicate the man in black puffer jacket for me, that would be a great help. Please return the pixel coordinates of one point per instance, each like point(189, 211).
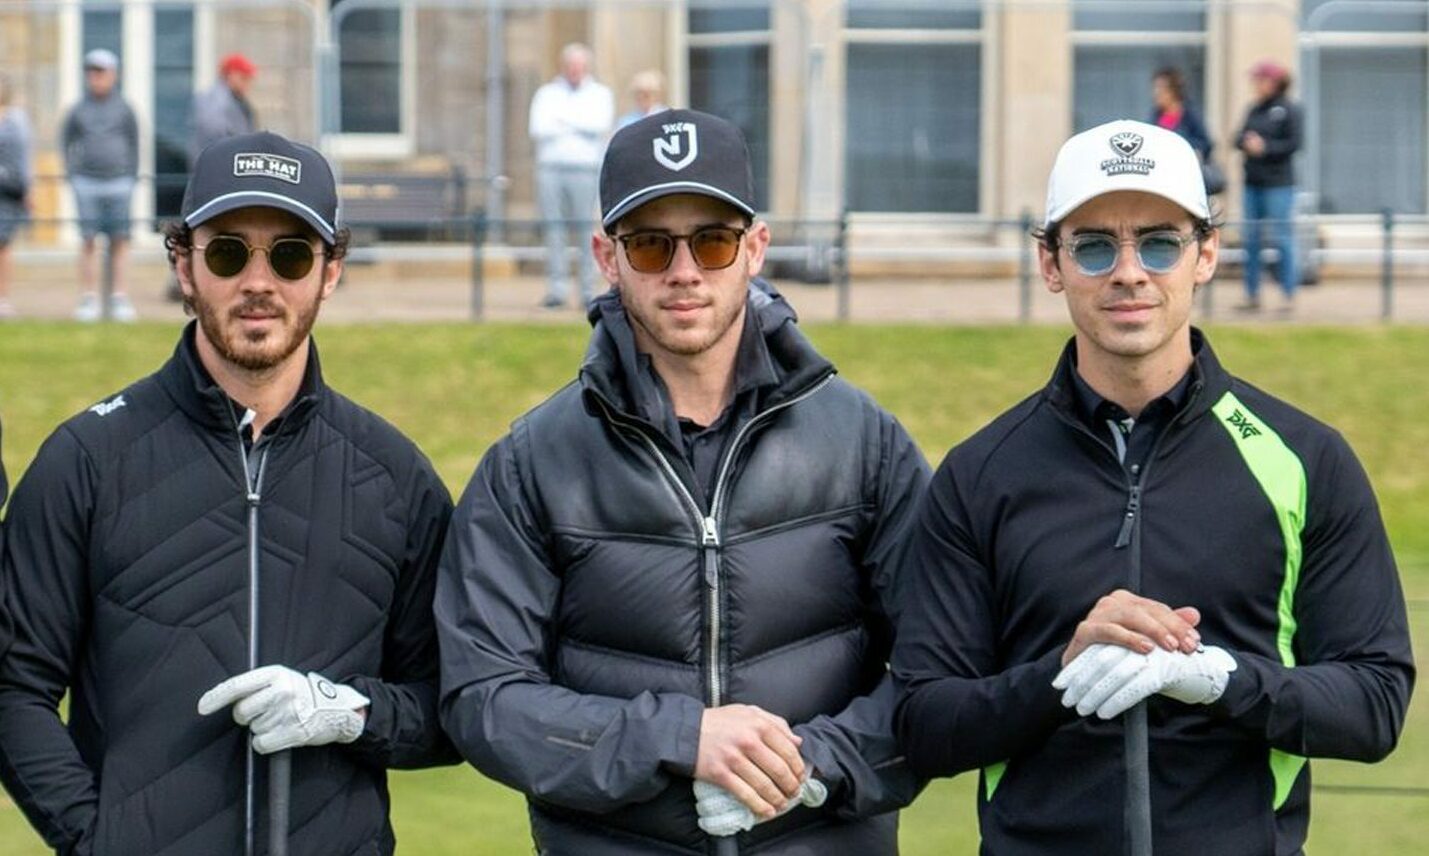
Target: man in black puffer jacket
point(227, 539)
point(672, 578)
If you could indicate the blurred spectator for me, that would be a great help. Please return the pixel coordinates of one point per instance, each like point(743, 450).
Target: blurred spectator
point(1269, 137)
point(219, 112)
point(570, 119)
point(223, 110)
point(1172, 112)
point(14, 186)
point(100, 138)
point(648, 89)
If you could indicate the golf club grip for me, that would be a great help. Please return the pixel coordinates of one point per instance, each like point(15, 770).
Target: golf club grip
point(726, 846)
point(280, 780)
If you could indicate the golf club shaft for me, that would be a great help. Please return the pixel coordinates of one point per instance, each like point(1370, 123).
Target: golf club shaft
point(280, 778)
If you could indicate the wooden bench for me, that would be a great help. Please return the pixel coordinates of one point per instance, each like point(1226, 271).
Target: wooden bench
point(405, 206)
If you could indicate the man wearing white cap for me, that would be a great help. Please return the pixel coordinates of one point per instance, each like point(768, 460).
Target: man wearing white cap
point(1038, 641)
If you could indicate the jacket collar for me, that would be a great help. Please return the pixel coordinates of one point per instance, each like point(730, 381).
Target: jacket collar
point(1208, 381)
point(200, 397)
point(775, 362)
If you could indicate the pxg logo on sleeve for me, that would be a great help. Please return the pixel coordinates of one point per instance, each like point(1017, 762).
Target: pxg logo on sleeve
point(267, 166)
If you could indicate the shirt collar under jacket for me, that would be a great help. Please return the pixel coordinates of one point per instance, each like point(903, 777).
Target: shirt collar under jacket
point(1206, 382)
point(1096, 410)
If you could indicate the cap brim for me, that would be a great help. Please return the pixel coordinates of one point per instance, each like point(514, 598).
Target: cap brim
point(669, 188)
point(262, 199)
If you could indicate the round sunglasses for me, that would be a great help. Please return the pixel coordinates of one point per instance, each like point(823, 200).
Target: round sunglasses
point(713, 248)
point(1158, 252)
point(228, 255)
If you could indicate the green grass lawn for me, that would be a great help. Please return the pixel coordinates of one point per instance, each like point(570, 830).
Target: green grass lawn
point(454, 389)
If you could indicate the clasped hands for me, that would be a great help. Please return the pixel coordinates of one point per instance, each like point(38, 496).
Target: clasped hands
point(748, 770)
point(1129, 648)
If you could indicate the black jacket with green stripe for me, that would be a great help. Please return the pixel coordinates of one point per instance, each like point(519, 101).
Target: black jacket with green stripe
point(1249, 510)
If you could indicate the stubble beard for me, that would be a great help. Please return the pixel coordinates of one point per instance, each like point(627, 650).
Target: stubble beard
point(672, 339)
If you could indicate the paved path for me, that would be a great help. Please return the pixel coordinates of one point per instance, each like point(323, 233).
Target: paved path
point(405, 293)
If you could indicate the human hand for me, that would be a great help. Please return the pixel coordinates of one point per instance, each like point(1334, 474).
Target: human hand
point(283, 709)
point(722, 814)
point(1135, 622)
point(751, 753)
point(1109, 679)
point(1253, 143)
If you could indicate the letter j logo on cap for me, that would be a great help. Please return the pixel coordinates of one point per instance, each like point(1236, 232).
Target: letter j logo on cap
point(678, 147)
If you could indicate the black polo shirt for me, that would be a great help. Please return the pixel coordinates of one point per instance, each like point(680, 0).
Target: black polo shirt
point(1132, 438)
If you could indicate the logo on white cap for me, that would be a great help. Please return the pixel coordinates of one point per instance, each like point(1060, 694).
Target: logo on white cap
point(267, 166)
point(678, 148)
point(1126, 144)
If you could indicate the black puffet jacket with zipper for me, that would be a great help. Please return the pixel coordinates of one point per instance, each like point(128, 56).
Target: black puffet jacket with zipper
point(591, 604)
point(127, 573)
point(1246, 509)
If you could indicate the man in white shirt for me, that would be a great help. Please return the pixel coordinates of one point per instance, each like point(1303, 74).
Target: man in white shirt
point(570, 119)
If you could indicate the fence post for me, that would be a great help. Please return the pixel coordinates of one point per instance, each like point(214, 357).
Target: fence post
point(105, 247)
point(1024, 267)
point(478, 265)
point(1386, 267)
point(841, 272)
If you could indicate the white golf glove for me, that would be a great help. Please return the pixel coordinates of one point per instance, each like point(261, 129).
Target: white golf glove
point(1110, 679)
point(283, 709)
point(722, 814)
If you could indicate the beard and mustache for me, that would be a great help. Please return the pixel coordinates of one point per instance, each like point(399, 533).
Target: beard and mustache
point(258, 350)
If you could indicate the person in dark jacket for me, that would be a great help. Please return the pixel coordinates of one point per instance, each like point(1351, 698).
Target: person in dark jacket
point(664, 605)
point(223, 110)
point(1039, 642)
point(225, 560)
point(1173, 112)
point(1269, 139)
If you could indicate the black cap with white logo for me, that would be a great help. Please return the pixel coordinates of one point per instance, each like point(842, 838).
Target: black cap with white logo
point(263, 170)
point(675, 151)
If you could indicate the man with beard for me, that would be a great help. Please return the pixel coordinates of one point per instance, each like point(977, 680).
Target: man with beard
point(226, 536)
point(664, 605)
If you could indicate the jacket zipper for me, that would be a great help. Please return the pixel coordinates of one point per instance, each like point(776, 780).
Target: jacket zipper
point(253, 497)
point(708, 527)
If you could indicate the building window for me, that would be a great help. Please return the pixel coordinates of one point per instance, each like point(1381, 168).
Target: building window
point(913, 110)
point(729, 77)
point(1116, 51)
point(370, 76)
point(1371, 73)
point(173, 106)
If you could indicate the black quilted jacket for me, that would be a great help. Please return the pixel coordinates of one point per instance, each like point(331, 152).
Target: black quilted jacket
point(592, 603)
point(126, 571)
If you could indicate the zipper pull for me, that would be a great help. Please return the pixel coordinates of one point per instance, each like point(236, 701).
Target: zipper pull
point(253, 498)
point(710, 542)
point(1133, 505)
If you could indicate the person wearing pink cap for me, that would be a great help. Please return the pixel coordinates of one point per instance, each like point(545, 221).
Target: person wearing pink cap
point(1269, 138)
point(1142, 598)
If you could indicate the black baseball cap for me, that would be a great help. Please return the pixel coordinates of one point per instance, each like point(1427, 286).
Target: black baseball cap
point(675, 151)
point(263, 170)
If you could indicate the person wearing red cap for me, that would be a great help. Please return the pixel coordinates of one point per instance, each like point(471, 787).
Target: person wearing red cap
point(223, 110)
point(219, 112)
point(1269, 138)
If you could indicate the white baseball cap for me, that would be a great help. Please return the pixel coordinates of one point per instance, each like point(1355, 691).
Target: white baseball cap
point(1126, 155)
